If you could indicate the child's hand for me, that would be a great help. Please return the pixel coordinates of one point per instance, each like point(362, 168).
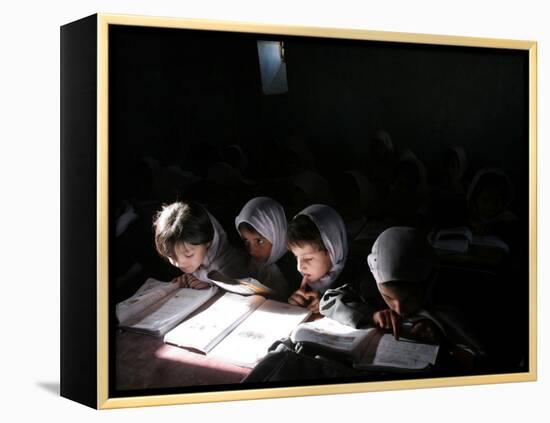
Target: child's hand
point(303, 297)
point(299, 298)
point(181, 280)
point(195, 283)
point(387, 319)
point(314, 300)
point(425, 331)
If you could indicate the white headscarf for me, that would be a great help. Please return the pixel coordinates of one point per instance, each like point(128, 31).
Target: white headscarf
point(333, 233)
point(220, 255)
point(268, 218)
point(401, 254)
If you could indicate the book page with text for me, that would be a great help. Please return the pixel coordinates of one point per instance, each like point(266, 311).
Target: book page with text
point(249, 342)
point(164, 316)
point(404, 353)
point(203, 331)
point(330, 334)
point(146, 296)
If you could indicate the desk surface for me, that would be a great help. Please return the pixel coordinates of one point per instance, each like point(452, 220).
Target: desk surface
point(144, 362)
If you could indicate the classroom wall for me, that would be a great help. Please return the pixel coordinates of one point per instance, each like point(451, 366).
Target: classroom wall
point(181, 96)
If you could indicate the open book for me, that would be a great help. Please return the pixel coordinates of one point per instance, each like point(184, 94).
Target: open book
point(238, 329)
point(243, 286)
point(158, 306)
point(461, 239)
point(367, 348)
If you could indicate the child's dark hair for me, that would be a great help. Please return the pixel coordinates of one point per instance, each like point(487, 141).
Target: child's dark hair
point(302, 230)
point(181, 222)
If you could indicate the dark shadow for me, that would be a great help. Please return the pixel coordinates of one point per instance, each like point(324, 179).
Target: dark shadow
point(52, 387)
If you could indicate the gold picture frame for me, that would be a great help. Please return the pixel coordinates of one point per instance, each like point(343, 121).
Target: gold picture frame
point(95, 393)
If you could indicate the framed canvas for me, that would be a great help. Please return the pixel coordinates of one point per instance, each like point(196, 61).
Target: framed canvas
point(387, 129)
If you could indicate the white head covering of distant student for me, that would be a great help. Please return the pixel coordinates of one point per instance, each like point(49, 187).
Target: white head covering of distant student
point(268, 218)
point(221, 256)
point(401, 254)
point(333, 234)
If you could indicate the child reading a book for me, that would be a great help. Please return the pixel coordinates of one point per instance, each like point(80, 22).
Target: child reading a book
point(317, 238)
point(192, 240)
point(399, 297)
point(402, 263)
point(262, 226)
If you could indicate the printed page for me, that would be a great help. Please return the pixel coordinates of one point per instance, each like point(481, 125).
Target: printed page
point(404, 353)
point(164, 316)
point(145, 297)
point(203, 331)
point(330, 334)
point(248, 343)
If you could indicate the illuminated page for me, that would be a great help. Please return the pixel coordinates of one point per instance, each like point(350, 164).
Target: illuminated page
point(329, 334)
point(151, 292)
point(404, 353)
point(243, 286)
point(203, 331)
point(164, 316)
point(248, 343)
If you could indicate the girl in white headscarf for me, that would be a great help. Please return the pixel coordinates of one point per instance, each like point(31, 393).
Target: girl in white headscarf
point(317, 238)
point(262, 226)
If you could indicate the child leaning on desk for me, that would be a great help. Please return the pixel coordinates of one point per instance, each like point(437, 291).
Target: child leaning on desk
point(403, 266)
point(191, 239)
point(262, 226)
point(317, 238)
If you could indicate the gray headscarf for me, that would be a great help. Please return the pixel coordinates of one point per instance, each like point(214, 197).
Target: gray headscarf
point(333, 233)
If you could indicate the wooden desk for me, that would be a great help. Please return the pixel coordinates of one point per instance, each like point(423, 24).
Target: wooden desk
point(144, 362)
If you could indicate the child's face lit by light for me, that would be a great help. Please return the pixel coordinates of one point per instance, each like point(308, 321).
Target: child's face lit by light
point(188, 257)
point(311, 262)
point(405, 299)
point(257, 246)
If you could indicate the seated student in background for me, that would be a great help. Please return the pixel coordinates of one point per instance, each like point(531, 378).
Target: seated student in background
point(408, 199)
point(317, 238)
point(489, 197)
point(448, 193)
point(262, 226)
point(192, 240)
